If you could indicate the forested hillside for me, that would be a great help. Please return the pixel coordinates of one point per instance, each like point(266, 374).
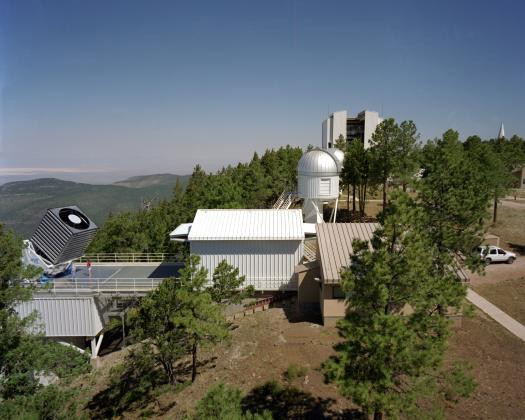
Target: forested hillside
point(256, 184)
point(23, 203)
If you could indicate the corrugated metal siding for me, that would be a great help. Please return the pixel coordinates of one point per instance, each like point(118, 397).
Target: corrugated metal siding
point(267, 265)
point(313, 187)
point(64, 316)
point(335, 246)
point(267, 224)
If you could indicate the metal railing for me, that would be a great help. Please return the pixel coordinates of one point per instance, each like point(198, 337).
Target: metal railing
point(79, 286)
point(130, 257)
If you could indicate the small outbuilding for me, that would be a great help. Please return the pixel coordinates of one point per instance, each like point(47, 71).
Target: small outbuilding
point(264, 244)
point(319, 281)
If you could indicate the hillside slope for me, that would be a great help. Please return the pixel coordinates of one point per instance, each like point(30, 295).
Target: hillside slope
point(144, 181)
point(23, 203)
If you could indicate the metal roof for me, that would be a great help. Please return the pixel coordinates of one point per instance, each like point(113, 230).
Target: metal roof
point(242, 224)
point(335, 246)
point(318, 162)
point(181, 232)
point(63, 316)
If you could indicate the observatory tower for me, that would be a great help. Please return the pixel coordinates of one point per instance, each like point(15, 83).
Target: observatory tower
point(318, 182)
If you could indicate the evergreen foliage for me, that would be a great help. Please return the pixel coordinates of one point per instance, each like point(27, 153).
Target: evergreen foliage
point(509, 155)
point(393, 334)
point(223, 402)
point(201, 319)
point(184, 314)
point(256, 184)
point(400, 290)
point(358, 172)
point(153, 324)
point(226, 285)
point(24, 355)
point(384, 147)
point(453, 193)
point(406, 154)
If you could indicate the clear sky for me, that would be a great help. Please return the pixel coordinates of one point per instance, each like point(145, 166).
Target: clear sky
point(137, 87)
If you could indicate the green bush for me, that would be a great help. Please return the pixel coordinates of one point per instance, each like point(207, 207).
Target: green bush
point(225, 403)
point(48, 403)
point(295, 371)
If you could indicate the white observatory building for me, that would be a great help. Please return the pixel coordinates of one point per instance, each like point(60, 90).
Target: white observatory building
point(318, 182)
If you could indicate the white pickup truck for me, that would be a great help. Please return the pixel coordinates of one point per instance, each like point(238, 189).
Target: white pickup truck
point(494, 254)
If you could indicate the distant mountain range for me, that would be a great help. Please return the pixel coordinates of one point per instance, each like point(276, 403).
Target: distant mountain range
point(23, 203)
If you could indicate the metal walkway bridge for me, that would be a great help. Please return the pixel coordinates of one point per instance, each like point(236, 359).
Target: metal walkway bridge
point(112, 279)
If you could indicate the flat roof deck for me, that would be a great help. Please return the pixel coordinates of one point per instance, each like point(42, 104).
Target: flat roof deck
point(125, 271)
point(112, 279)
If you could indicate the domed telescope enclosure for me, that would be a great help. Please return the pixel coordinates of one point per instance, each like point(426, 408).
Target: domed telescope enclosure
point(318, 181)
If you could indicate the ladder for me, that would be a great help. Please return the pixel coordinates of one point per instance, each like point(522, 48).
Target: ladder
point(285, 200)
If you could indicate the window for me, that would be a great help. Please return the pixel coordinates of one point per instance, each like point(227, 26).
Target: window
point(493, 251)
point(501, 252)
point(324, 186)
point(337, 293)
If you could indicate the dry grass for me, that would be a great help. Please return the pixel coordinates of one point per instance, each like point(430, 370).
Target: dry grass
point(498, 361)
point(510, 226)
point(508, 295)
point(267, 344)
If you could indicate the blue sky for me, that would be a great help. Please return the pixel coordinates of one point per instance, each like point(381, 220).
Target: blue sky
point(99, 89)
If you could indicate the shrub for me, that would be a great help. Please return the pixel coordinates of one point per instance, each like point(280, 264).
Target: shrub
point(295, 371)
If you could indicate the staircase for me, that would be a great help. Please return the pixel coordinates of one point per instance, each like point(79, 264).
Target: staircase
point(285, 200)
point(310, 249)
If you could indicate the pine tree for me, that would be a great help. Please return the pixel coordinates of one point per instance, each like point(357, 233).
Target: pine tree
point(358, 172)
point(201, 319)
point(393, 336)
point(154, 324)
point(384, 146)
point(511, 156)
point(405, 154)
point(453, 193)
point(227, 285)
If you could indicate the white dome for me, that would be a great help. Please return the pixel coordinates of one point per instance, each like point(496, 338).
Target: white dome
point(318, 162)
point(339, 156)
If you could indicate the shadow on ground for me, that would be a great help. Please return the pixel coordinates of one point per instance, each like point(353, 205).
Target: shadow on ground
point(137, 383)
point(287, 402)
point(519, 248)
point(293, 314)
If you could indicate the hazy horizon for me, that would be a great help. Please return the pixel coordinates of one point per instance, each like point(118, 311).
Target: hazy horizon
point(122, 88)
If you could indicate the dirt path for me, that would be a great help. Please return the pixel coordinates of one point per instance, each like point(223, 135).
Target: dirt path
point(518, 204)
point(496, 314)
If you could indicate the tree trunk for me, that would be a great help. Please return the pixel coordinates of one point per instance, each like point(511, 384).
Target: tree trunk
point(194, 362)
point(353, 198)
point(384, 194)
point(404, 187)
point(378, 415)
point(495, 214)
point(348, 199)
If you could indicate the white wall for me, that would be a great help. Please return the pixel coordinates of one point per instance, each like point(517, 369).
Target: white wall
point(338, 126)
point(325, 133)
point(310, 187)
point(267, 265)
point(372, 120)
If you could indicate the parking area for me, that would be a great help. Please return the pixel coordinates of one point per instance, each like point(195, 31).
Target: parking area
point(499, 272)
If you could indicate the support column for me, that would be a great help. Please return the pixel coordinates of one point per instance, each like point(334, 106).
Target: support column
point(123, 318)
point(95, 345)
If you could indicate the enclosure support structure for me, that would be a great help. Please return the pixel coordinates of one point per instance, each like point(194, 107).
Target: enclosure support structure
point(95, 345)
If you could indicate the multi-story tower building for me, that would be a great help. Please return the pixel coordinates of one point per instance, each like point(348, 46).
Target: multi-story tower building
point(361, 127)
